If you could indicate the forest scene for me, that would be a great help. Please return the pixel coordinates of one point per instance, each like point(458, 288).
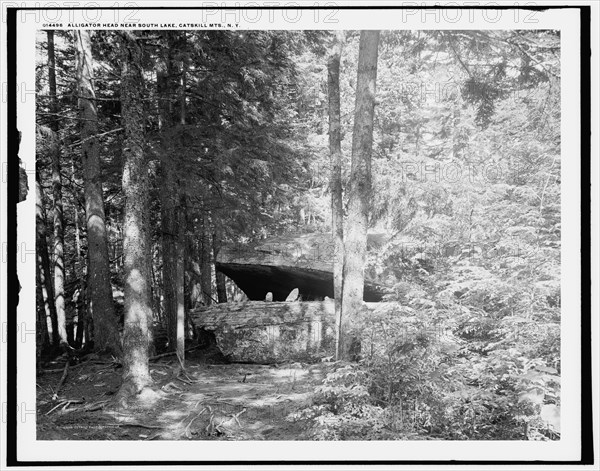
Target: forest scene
point(298, 235)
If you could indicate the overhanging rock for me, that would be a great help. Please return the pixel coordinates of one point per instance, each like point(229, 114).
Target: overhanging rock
point(280, 264)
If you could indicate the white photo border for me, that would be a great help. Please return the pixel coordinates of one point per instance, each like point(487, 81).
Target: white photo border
point(336, 17)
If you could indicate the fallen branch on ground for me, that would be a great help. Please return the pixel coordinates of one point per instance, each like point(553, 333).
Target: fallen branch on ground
point(170, 385)
point(65, 403)
point(62, 380)
point(186, 381)
point(135, 424)
point(54, 370)
point(231, 417)
point(87, 362)
point(94, 406)
point(235, 416)
point(187, 429)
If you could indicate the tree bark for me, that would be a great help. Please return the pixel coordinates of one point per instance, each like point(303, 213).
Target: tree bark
point(335, 151)
point(42, 339)
point(79, 270)
point(355, 231)
point(205, 262)
point(182, 107)
point(170, 248)
point(180, 274)
point(106, 334)
point(136, 248)
point(168, 195)
point(172, 216)
point(44, 264)
point(59, 234)
point(181, 228)
point(43, 304)
point(220, 277)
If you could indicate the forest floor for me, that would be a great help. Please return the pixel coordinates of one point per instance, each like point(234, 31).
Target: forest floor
point(213, 402)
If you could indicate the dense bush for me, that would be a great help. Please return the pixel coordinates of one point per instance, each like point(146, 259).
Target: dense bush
point(443, 372)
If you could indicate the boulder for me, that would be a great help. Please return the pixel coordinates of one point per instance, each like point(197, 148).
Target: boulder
point(293, 296)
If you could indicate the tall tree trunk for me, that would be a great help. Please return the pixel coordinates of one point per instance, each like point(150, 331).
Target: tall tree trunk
point(136, 247)
point(220, 277)
point(79, 269)
point(43, 308)
point(182, 107)
point(205, 263)
point(193, 287)
point(106, 334)
point(181, 227)
point(335, 151)
point(173, 229)
point(42, 338)
point(180, 274)
point(44, 263)
point(88, 322)
point(169, 210)
point(59, 236)
point(355, 232)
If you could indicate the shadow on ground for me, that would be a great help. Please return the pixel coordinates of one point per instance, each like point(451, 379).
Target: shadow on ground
point(213, 402)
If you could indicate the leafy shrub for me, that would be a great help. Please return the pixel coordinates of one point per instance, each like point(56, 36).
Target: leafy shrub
point(416, 379)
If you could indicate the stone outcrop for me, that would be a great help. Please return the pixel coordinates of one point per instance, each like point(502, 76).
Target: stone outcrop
point(281, 264)
point(263, 332)
point(261, 313)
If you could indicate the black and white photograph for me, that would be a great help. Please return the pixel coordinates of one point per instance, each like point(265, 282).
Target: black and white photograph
point(319, 228)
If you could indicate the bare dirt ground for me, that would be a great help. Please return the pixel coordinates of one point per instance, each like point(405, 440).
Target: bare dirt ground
point(214, 402)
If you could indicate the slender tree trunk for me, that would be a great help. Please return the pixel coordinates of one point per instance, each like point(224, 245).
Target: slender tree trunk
point(193, 288)
point(43, 308)
point(136, 248)
point(157, 282)
point(170, 244)
point(88, 323)
point(169, 210)
point(220, 277)
point(59, 236)
point(173, 229)
point(205, 263)
point(355, 232)
point(182, 107)
point(180, 273)
point(335, 150)
point(47, 290)
point(44, 264)
point(79, 270)
point(181, 214)
point(42, 339)
point(106, 334)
